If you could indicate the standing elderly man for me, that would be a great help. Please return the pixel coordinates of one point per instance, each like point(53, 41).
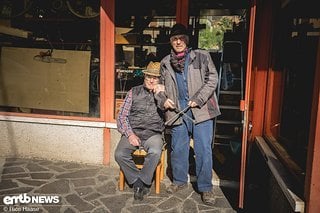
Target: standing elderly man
point(141, 124)
point(190, 79)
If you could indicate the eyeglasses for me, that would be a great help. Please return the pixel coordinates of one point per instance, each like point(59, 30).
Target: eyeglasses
point(178, 37)
point(149, 77)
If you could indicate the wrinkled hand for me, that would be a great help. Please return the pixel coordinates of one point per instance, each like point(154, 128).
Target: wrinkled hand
point(134, 140)
point(169, 104)
point(158, 88)
point(192, 104)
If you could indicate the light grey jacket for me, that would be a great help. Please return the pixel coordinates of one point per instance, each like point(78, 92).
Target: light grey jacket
point(202, 83)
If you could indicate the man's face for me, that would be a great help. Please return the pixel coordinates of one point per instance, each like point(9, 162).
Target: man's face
point(150, 81)
point(178, 43)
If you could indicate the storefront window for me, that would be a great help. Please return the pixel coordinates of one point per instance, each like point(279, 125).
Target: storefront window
point(141, 36)
point(295, 56)
point(50, 57)
point(299, 79)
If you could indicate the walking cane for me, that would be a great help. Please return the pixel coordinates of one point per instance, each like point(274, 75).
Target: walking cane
point(179, 113)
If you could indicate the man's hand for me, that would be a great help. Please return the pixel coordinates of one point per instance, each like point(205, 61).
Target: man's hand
point(192, 104)
point(158, 88)
point(134, 140)
point(169, 104)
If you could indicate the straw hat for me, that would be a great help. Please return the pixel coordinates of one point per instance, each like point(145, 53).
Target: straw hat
point(153, 69)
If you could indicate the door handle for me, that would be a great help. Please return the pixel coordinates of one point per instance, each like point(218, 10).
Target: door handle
point(250, 126)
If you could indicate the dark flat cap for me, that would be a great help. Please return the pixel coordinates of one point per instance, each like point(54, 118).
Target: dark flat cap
point(178, 29)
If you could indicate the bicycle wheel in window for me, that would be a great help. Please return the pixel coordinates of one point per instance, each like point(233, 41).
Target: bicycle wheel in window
point(14, 8)
point(84, 8)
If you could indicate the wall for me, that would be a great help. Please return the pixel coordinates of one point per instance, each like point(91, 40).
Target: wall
point(115, 138)
point(269, 187)
point(264, 194)
point(63, 142)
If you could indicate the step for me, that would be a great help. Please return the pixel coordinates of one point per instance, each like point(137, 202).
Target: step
point(228, 122)
point(239, 62)
point(229, 107)
point(226, 136)
point(236, 79)
point(223, 92)
point(221, 144)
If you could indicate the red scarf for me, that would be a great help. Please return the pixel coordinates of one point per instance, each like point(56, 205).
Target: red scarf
point(178, 60)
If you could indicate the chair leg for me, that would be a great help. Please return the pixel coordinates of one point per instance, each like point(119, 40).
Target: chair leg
point(162, 166)
point(157, 178)
point(121, 180)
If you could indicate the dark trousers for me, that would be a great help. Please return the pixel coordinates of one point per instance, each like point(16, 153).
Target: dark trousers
point(153, 146)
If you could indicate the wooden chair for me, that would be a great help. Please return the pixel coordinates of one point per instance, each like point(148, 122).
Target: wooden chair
point(159, 172)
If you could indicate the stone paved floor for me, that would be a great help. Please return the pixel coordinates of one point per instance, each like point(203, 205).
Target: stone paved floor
point(89, 188)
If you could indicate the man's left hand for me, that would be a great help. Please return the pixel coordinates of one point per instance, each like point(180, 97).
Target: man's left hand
point(158, 88)
point(134, 140)
point(192, 104)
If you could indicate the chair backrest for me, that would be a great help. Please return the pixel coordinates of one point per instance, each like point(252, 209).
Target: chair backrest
point(139, 153)
point(138, 157)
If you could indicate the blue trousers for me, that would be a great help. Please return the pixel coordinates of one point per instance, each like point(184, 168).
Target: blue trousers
point(180, 144)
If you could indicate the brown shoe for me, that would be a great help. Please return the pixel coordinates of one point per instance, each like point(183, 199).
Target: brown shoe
point(174, 188)
point(208, 198)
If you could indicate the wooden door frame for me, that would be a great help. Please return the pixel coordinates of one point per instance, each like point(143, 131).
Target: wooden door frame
point(107, 75)
point(107, 54)
point(312, 180)
point(245, 105)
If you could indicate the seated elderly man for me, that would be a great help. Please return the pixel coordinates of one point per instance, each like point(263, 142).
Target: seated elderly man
point(141, 124)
